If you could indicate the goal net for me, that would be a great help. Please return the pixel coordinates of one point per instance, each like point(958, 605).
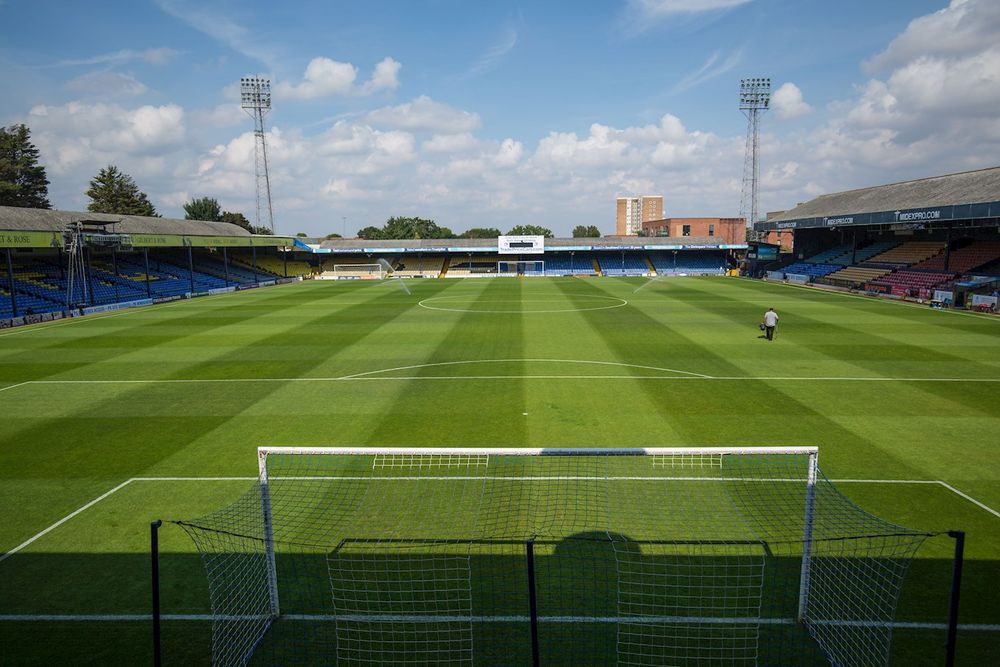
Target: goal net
point(528, 268)
point(371, 271)
point(707, 556)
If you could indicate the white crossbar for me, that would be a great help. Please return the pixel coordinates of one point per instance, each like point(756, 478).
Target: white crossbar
point(538, 451)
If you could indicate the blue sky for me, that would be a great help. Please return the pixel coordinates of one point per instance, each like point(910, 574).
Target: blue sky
point(500, 113)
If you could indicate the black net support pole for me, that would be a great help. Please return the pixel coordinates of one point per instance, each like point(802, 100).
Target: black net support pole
point(532, 601)
point(253, 251)
point(145, 257)
point(154, 555)
point(10, 283)
point(956, 587)
point(191, 268)
point(225, 263)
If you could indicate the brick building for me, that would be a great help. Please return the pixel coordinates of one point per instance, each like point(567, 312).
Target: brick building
point(727, 230)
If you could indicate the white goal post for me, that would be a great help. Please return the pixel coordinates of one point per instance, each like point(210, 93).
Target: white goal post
point(640, 556)
point(521, 268)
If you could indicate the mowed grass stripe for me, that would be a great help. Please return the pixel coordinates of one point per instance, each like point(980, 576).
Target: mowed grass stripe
point(473, 413)
point(873, 340)
point(587, 411)
point(98, 439)
point(758, 412)
point(88, 349)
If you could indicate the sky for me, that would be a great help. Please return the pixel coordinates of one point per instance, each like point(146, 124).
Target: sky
point(496, 114)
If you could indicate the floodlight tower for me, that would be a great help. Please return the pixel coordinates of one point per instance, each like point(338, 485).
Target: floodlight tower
point(255, 98)
point(755, 99)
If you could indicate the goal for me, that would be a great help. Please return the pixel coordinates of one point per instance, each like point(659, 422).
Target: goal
point(519, 268)
point(426, 556)
point(363, 271)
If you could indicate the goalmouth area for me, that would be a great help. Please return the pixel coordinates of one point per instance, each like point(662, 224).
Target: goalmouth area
point(157, 413)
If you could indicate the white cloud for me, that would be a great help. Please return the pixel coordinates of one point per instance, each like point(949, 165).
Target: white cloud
point(961, 27)
point(325, 77)
point(106, 84)
point(709, 70)
point(424, 114)
point(220, 28)
point(787, 102)
point(495, 54)
point(450, 143)
point(157, 56)
point(222, 115)
point(385, 77)
point(79, 132)
point(659, 8)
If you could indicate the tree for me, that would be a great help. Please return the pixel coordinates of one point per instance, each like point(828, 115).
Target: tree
point(205, 208)
point(530, 230)
point(406, 228)
point(302, 235)
point(260, 230)
point(586, 232)
point(370, 233)
point(22, 180)
point(334, 235)
point(235, 219)
point(480, 233)
point(114, 191)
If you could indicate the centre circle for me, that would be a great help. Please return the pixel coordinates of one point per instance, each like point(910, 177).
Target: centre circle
point(541, 304)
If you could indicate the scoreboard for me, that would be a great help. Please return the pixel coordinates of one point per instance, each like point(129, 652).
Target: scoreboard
point(521, 245)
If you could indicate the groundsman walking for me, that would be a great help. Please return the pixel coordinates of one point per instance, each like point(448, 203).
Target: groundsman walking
point(770, 321)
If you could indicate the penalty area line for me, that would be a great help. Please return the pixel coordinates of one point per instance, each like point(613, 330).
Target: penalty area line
point(106, 494)
point(63, 520)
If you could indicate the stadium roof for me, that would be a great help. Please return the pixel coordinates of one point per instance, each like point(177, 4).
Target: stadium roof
point(39, 228)
point(42, 220)
point(490, 245)
point(961, 196)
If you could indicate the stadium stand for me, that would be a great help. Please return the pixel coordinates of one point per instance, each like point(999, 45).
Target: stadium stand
point(906, 254)
point(411, 267)
point(616, 264)
point(857, 274)
point(863, 254)
point(564, 264)
point(966, 258)
point(809, 269)
point(909, 283)
point(831, 255)
point(688, 262)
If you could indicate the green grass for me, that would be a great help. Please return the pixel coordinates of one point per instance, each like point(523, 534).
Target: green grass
point(498, 366)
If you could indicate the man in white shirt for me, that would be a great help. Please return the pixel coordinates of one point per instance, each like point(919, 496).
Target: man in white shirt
point(770, 321)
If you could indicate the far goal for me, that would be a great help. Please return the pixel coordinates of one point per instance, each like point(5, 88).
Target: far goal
point(519, 268)
point(362, 271)
point(659, 556)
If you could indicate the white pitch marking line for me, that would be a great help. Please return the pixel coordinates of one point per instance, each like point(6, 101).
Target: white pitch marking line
point(874, 299)
point(423, 304)
point(93, 502)
point(63, 520)
point(433, 618)
point(541, 361)
point(367, 376)
point(969, 498)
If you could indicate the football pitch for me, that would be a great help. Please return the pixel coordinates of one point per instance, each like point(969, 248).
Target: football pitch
point(112, 421)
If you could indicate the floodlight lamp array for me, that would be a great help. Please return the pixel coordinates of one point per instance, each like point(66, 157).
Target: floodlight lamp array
point(255, 92)
point(755, 93)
